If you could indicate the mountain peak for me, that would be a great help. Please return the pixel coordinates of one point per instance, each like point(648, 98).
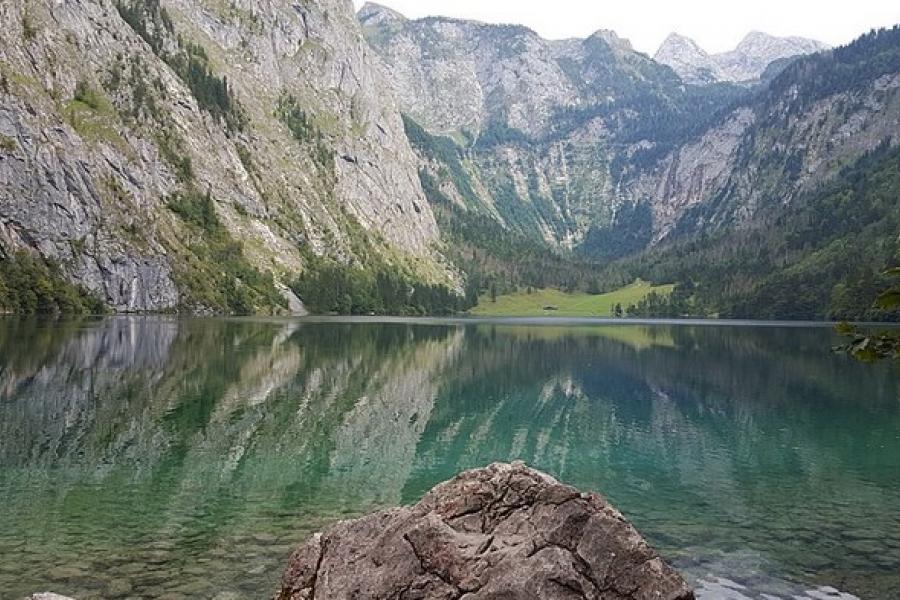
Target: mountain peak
point(754, 36)
point(676, 43)
point(760, 42)
point(758, 50)
point(373, 13)
point(614, 40)
point(686, 58)
point(747, 62)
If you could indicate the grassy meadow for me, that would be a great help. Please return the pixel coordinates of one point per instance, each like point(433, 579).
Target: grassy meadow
point(580, 304)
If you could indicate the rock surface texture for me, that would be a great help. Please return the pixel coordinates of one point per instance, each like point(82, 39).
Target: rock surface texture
point(505, 531)
point(101, 132)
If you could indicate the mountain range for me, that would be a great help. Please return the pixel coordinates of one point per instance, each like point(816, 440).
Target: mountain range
point(187, 155)
point(748, 62)
point(605, 154)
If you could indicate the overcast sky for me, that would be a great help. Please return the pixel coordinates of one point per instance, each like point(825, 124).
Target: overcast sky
point(717, 25)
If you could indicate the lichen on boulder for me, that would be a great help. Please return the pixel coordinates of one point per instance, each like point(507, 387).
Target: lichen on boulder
point(504, 531)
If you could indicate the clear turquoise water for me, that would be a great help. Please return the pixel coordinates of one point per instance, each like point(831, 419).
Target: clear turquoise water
point(158, 458)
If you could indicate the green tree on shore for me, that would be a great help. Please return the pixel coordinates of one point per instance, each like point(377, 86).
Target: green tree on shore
point(870, 347)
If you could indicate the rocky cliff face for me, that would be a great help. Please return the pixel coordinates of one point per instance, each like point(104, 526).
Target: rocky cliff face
point(456, 76)
point(543, 128)
point(275, 113)
point(589, 145)
point(746, 63)
point(692, 174)
point(463, 77)
point(767, 153)
point(72, 195)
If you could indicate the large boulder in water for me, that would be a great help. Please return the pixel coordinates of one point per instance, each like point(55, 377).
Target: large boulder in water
point(505, 531)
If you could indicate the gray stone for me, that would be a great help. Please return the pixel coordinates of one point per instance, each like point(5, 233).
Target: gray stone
point(505, 531)
point(119, 587)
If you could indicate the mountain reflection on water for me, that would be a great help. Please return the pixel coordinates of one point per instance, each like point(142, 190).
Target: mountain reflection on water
point(165, 458)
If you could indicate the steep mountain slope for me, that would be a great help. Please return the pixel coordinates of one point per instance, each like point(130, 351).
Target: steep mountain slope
point(819, 116)
point(629, 156)
point(747, 62)
point(194, 154)
point(538, 133)
point(821, 257)
point(796, 216)
point(455, 76)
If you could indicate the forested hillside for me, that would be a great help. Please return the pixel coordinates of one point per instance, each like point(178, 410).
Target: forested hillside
point(822, 257)
point(813, 234)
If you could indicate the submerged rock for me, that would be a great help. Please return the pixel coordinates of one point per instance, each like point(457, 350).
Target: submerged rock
point(505, 531)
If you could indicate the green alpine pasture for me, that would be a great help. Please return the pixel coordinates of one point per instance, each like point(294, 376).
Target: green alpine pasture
point(548, 302)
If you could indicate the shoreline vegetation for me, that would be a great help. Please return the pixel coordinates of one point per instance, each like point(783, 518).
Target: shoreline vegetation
point(30, 286)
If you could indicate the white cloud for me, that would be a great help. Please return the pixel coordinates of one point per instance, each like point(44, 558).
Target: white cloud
point(716, 25)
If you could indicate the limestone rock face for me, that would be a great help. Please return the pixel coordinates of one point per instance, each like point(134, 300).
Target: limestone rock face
point(459, 77)
point(538, 121)
point(99, 133)
point(741, 166)
point(694, 172)
point(588, 145)
point(505, 531)
point(315, 52)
